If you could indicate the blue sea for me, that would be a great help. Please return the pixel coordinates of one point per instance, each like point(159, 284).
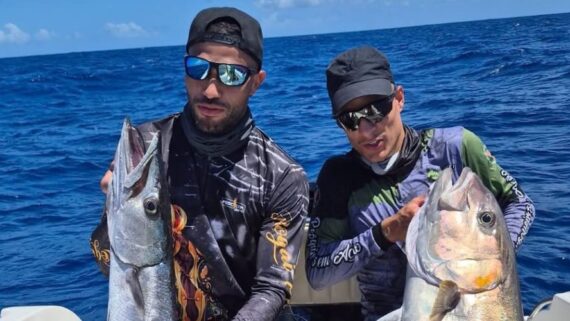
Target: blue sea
point(507, 80)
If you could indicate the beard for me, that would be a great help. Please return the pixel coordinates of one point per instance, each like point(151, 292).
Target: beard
point(232, 116)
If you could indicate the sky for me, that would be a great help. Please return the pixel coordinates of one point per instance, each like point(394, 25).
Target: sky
point(36, 27)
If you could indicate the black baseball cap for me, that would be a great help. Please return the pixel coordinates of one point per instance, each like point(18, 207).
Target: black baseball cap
point(251, 40)
point(358, 72)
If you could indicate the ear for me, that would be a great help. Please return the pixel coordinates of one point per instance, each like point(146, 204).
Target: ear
point(400, 97)
point(257, 80)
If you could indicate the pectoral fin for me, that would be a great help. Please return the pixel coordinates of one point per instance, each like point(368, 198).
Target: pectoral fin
point(134, 287)
point(446, 300)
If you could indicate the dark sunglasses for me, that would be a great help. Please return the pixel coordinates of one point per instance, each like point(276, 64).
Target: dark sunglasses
point(228, 74)
point(373, 112)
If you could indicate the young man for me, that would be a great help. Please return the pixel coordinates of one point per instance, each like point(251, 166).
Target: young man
point(239, 200)
point(367, 197)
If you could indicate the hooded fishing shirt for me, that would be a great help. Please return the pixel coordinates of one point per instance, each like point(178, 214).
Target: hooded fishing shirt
point(237, 228)
point(351, 199)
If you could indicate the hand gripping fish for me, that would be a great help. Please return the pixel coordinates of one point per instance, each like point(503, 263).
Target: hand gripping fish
point(461, 261)
point(140, 278)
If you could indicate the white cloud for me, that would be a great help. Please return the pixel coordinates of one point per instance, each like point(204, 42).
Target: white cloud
point(282, 4)
point(126, 30)
point(13, 34)
point(44, 35)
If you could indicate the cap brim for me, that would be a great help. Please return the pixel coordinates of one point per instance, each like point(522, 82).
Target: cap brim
point(381, 87)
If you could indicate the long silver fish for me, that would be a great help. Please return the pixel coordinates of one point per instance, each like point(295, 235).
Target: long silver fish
point(461, 261)
point(140, 278)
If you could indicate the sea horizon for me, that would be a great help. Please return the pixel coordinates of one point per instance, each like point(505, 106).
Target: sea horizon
point(295, 35)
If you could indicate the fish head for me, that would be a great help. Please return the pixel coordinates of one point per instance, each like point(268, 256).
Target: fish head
point(137, 202)
point(460, 235)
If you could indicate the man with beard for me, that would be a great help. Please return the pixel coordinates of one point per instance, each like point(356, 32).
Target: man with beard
point(239, 201)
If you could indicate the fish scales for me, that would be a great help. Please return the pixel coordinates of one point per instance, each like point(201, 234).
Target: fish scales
point(141, 285)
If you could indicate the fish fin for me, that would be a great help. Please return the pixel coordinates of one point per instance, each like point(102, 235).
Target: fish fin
point(445, 301)
point(135, 288)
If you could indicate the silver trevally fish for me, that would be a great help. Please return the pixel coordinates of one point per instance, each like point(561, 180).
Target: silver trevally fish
point(461, 261)
point(138, 217)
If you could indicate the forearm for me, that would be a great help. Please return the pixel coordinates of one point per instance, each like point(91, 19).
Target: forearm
point(518, 210)
point(100, 246)
point(330, 262)
point(280, 238)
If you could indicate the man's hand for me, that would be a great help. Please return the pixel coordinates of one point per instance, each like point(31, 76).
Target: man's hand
point(104, 184)
point(395, 227)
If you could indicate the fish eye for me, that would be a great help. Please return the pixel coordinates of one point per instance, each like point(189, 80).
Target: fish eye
point(150, 206)
point(487, 219)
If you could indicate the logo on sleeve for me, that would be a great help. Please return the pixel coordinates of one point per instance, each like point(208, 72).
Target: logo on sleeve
point(233, 205)
point(432, 175)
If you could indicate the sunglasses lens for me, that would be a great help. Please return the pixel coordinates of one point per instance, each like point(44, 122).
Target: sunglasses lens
point(347, 121)
point(228, 74)
point(232, 75)
point(197, 68)
point(374, 112)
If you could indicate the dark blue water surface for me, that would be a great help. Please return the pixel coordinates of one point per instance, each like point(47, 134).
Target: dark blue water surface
point(507, 80)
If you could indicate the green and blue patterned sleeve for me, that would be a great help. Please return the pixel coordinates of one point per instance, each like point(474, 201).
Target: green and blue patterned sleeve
point(333, 252)
point(518, 208)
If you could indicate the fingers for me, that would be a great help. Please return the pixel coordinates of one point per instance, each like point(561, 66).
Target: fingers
point(412, 207)
point(419, 200)
point(395, 227)
point(104, 184)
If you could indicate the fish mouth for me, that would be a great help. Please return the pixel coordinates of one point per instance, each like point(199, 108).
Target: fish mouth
point(131, 163)
point(471, 275)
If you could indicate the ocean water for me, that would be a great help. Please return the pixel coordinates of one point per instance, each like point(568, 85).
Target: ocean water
point(507, 80)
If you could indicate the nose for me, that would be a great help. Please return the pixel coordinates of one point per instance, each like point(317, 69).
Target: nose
point(212, 89)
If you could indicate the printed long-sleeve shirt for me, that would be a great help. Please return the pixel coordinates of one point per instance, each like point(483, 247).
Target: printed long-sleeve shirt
point(351, 199)
point(237, 228)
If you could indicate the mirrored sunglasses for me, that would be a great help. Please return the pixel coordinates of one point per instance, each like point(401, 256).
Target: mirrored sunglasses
point(228, 74)
point(373, 112)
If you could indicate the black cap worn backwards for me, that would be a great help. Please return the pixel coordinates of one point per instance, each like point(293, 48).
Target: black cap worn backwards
point(358, 72)
point(250, 40)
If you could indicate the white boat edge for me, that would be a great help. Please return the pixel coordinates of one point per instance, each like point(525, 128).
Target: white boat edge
point(38, 313)
point(559, 309)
